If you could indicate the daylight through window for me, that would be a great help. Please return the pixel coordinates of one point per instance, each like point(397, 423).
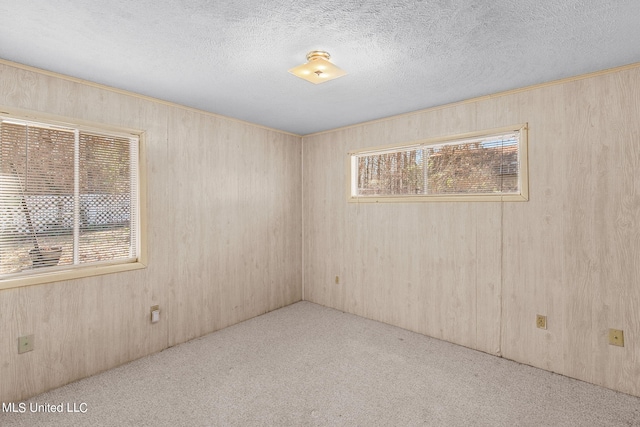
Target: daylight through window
point(471, 167)
point(68, 198)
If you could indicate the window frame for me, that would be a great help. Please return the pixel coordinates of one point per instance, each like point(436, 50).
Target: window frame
point(69, 272)
point(523, 175)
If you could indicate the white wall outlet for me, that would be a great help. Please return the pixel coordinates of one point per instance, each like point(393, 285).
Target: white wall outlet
point(155, 314)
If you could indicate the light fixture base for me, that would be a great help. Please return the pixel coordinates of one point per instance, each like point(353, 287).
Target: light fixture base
point(318, 69)
point(318, 54)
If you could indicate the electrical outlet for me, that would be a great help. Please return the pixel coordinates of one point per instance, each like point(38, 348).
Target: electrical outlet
point(25, 344)
point(616, 337)
point(541, 321)
point(155, 313)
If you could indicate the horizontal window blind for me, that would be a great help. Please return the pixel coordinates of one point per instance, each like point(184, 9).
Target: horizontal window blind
point(68, 198)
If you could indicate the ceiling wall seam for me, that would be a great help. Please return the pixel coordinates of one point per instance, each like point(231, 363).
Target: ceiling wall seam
point(485, 97)
point(137, 95)
point(302, 137)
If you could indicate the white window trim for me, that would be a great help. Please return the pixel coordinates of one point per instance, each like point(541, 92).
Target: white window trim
point(64, 273)
point(351, 167)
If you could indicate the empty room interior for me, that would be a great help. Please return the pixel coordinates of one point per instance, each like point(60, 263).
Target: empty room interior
point(467, 182)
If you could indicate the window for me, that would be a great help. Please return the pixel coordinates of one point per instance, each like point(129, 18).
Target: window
point(69, 200)
point(490, 165)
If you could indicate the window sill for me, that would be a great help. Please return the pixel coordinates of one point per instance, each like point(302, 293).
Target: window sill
point(442, 198)
point(63, 275)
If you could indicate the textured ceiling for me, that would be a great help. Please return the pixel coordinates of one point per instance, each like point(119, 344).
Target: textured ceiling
point(231, 57)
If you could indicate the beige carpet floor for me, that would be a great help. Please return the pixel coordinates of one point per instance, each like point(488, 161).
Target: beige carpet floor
point(307, 365)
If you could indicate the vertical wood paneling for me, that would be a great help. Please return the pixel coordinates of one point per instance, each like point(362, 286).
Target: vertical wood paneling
point(224, 239)
point(532, 237)
point(428, 267)
point(478, 273)
point(603, 271)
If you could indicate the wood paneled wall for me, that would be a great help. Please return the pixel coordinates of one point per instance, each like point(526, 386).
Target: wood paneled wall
point(224, 239)
point(225, 236)
point(477, 273)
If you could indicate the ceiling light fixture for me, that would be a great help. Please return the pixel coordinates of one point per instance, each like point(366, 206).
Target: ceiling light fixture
point(318, 69)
